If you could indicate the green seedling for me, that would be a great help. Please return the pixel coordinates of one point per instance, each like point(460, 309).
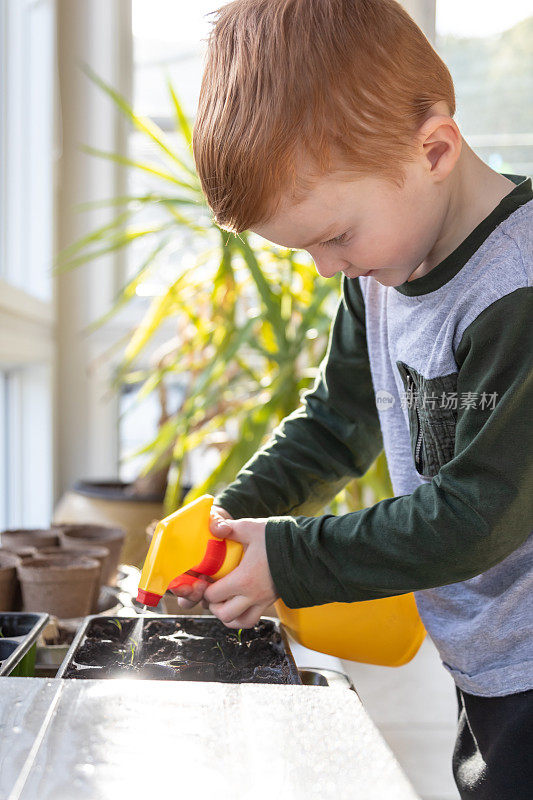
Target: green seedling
point(218, 647)
point(1, 634)
point(130, 654)
point(239, 635)
point(117, 623)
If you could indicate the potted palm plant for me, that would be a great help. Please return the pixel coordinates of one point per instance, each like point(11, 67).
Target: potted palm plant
point(245, 325)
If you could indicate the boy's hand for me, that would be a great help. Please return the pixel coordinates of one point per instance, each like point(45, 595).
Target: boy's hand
point(189, 596)
point(239, 599)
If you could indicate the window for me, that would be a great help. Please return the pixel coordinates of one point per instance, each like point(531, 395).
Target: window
point(26, 136)
point(489, 51)
point(168, 39)
point(26, 444)
point(27, 73)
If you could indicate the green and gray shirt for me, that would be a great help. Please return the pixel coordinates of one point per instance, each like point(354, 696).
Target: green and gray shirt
point(439, 372)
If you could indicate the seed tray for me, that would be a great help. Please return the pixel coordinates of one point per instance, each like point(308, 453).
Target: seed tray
point(18, 637)
point(180, 647)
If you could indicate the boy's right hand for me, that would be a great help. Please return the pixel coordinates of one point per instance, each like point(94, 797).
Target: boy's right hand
point(189, 596)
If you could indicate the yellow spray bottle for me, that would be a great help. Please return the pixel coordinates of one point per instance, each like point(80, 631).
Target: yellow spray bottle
point(183, 542)
point(387, 631)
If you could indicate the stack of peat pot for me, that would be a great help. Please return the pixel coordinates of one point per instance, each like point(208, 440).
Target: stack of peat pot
point(58, 570)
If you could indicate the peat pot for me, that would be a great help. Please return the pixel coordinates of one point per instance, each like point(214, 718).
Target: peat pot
point(62, 586)
point(80, 537)
point(100, 554)
point(113, 503)
point(29, 537)
point(8, 580)
point(24, 552)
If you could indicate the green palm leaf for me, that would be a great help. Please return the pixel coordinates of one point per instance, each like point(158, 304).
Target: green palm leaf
point(143, 124)
point(182, 123)
point(253, 319)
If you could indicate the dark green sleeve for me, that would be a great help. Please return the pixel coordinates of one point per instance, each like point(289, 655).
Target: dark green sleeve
point(473, 514)
point(333, 436)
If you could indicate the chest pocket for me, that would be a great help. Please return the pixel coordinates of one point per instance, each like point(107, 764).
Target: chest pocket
point(432, 408)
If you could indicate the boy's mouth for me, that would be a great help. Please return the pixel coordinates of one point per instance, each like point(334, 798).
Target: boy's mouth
point(349, 274)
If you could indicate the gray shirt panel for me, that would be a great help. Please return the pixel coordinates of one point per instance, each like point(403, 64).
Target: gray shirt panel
point(483, 627)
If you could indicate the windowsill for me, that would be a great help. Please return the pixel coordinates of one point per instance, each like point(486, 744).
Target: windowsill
point(22, 305)
point(27, 328)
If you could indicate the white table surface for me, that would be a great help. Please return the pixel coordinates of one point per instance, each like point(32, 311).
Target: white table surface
point(149, 740)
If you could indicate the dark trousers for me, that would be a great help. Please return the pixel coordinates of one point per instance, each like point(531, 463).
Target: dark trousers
point(493, 756)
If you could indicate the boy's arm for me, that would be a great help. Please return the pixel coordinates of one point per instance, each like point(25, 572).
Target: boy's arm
point(333, 436)
point(473, 514)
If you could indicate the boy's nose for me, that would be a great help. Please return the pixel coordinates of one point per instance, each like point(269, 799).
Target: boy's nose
point(327, 268)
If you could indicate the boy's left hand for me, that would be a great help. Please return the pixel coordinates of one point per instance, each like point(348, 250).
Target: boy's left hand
point(239, 599)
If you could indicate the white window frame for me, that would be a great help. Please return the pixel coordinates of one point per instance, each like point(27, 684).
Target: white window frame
point(27, 346)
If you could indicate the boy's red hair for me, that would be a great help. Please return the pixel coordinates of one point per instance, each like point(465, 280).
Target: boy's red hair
point(346, 82)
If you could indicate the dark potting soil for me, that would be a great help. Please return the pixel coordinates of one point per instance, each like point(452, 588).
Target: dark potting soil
point(111, 629)
point(187, 649)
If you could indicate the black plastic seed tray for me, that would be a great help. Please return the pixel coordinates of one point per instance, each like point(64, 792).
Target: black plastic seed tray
point(18, 636)
point(180, 647)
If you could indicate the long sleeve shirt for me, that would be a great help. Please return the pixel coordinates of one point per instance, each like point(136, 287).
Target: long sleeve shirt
point(439, 372)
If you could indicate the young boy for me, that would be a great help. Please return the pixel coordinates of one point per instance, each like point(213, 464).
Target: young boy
point(328, 125)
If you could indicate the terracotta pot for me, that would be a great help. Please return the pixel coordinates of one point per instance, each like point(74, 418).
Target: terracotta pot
point(8, 580)
point(79, 537)
point(100, 554)
point(59, 585)
point(113, 503)
point(29, 537)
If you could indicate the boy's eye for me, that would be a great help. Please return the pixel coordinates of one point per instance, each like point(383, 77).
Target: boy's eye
point(338, 240)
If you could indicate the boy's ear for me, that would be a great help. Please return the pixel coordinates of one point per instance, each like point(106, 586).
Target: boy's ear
point(440, 145)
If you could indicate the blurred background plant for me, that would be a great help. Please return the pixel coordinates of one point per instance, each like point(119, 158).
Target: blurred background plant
point(244, 324)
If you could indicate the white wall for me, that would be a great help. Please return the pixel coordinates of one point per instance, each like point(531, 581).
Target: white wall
point(96, 33)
